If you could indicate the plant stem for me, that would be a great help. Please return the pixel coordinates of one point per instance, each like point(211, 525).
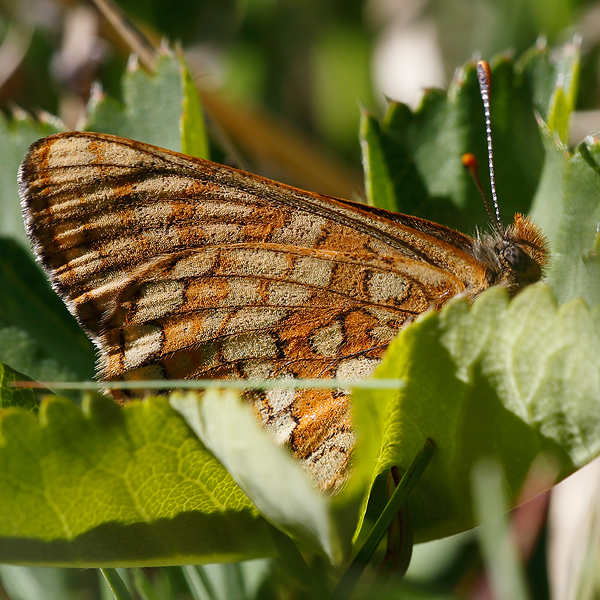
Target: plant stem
point(295, 564)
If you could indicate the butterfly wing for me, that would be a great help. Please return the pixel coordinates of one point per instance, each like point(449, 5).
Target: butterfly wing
point(181, 268)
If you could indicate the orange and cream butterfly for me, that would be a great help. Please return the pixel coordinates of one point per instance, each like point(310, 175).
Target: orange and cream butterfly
point(180, 268)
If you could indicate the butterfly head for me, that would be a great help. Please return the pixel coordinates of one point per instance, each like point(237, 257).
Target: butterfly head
point(515, 256)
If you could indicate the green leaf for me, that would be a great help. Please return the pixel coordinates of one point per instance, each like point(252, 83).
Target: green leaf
point(38, 336)
point(502, 560)
point(379, 186)
point(12, 396)
point(277, 485)
point(562, 101)
point(509, 380)
point(161, 109)
point(567, 207)
point(194, 140)
point(16, 136)
point(114, 486)
point(116, 584)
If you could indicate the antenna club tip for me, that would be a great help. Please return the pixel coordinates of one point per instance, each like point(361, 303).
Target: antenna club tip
point(469, 161)
point(484, 71)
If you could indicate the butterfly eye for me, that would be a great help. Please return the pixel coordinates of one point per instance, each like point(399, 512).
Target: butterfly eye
point(515, 257)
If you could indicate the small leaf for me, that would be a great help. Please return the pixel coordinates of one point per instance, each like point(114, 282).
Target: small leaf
point(12, 396)
point(567, 207)
point(562, 101)
point(378, 184)
point(194, 140)
point(158, 109)
point(277, 485)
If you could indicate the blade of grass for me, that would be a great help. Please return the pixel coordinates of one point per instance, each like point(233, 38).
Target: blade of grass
point(497, 547)
point(116, 584)
point(195, 384)
point(143, 585)
point(200, 586)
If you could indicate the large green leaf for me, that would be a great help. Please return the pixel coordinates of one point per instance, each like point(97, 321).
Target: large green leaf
point(509, 380)
point(117, 486)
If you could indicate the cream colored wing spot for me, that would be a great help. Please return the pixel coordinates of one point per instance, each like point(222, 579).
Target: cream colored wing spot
point(257, 262)
point(248, 345)
point(281, 428)
point(194, 265)
point(312, 271)
point(68, 152)
point(330, 459)
point(141, 342)
point(279, 399)
point(242, 291)
point(158, 298)
point(301, 226)
point(356, 368)
point(282, 293)
point(225, 211)
point(383, 335)
point(328, 340)
point(385, 285)
point(381, 314)
point(220, 233)
point(258, 369)
point(251, 318)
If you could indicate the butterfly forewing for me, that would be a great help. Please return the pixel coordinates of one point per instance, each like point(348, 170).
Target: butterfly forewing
point(139, 239)
point(181, 268)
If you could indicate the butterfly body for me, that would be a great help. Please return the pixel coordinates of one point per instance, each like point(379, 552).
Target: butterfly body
point(180, 268)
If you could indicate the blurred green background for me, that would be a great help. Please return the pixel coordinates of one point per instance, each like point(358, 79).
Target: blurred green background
point(285, 80)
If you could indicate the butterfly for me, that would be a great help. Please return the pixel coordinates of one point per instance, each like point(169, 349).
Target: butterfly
point(181, 268)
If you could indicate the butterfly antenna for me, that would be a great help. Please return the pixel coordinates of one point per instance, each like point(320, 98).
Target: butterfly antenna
point(469, 162)
point(484, 76)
